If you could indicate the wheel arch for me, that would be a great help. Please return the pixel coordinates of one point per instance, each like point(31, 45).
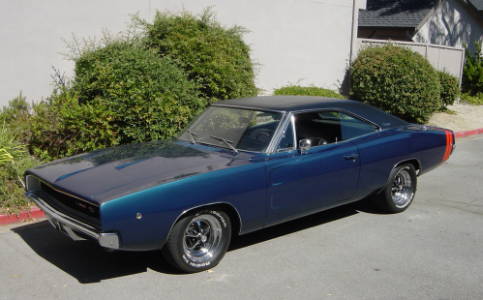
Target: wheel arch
point(228, 208)
point(415, 162)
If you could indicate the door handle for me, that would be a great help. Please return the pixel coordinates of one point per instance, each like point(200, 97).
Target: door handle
point(353, 156)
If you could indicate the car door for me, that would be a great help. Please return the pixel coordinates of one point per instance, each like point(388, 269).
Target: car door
point(301, 182)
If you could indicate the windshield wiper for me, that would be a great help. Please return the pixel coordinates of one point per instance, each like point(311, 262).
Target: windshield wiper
point(225, 141)
point(192, 136)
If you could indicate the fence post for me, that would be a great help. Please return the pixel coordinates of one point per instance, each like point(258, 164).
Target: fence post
point(462, 63)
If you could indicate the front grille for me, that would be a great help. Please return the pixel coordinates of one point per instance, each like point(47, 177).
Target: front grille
point(69, 205)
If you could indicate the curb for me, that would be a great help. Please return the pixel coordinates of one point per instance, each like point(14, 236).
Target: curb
point(36, 213)
point(461, 134)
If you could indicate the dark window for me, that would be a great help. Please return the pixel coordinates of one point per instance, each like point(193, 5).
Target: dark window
point(326, 127)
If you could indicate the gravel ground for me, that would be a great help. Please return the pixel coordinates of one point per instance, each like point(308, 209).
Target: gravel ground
point(466, 117)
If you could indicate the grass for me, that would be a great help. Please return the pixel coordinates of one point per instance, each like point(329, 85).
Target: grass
point(475, 100)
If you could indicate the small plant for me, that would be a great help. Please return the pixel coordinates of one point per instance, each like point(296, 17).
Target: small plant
point(473, 71)
point(16, 117)
point(396, 80)
point(450, 89)
point(14, 160)
point(307, 91)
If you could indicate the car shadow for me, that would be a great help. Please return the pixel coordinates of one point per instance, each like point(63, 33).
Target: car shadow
point(85, 260)
point(88, 263)
point(292, 226)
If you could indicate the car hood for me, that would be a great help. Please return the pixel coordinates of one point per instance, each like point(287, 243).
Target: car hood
point(105, 174)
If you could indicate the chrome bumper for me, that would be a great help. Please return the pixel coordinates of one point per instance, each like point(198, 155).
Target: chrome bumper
point(70, 226)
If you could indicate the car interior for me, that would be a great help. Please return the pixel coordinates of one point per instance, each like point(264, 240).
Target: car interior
point(326, 127)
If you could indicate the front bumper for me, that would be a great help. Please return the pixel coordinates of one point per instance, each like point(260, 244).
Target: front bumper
point(74, 228)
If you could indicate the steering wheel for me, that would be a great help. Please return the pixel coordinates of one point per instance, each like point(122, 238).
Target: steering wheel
point(261, 135)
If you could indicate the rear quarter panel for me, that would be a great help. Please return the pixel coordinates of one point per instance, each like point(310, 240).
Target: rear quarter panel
point(382, 151)
point(379, 153)
point(430, 145)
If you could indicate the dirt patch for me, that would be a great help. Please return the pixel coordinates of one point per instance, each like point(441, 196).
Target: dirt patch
point(465, 117)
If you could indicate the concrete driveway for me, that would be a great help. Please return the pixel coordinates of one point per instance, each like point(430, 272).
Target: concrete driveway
point(432, 251)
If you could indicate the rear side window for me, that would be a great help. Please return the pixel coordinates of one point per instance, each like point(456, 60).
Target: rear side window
point(326, 127)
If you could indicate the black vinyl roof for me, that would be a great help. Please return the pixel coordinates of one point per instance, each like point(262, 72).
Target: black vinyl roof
point(298, 103)
point(283, 103)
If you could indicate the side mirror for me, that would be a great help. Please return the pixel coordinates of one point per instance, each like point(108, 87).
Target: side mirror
point(305, 144)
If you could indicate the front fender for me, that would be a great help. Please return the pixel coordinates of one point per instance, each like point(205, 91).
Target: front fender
point(243, 187)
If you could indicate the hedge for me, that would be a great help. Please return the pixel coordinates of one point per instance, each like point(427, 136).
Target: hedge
point(215, 57)
point(397, 80)
point(307, 91)
point(450, 88)
point(121, 93)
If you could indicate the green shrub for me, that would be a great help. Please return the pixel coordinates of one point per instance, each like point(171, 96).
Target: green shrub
point(473, 71)
point(307, 91)
point(396, 80)
point(213, 56)
point(16, 117)
point(62, 126)
point(476, 99)
point(14, 160)
point(121, 93)
point(450, 88)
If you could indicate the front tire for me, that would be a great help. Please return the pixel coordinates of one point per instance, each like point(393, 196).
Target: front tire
point(198, 241)
point(399, 193)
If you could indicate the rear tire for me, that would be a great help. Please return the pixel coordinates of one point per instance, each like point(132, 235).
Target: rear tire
point(399, 192)
point(198, 241)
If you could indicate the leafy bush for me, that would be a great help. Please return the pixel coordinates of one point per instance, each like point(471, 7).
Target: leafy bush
point(397, 80)
point(476, 99)
point(147, 97)
point(473, 71)
point(450, 88)
point(62, 126)
point(307, 91)
point(14, 160)
point(213, 56)
point(121, 93)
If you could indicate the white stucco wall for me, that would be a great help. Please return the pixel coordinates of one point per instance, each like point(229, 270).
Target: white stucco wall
point(293, 41)
point(452, 24)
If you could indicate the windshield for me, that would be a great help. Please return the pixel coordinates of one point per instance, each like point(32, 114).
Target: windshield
point(234, 128)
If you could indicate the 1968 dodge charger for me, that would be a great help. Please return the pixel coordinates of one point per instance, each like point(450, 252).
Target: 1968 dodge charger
point(243, 165)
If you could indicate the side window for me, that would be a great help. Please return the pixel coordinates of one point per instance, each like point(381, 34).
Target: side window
point(326, 127)
point(352, 127)
point(287, 140)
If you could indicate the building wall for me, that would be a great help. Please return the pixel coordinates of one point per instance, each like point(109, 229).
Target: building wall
point(453, 24)
point(292, 41)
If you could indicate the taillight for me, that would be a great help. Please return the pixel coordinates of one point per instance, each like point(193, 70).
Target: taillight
point(449, 144)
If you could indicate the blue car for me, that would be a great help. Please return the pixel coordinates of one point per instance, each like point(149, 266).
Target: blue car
point(241, 166)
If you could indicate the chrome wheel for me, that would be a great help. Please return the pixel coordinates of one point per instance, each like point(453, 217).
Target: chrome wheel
point(402, 189)
point(202, 239)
